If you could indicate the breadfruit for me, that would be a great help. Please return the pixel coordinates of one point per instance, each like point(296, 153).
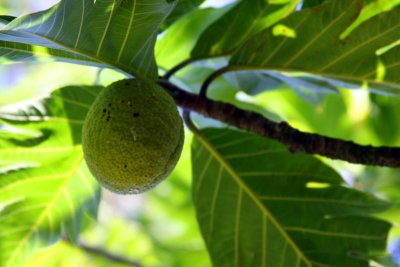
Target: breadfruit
point(132, 136)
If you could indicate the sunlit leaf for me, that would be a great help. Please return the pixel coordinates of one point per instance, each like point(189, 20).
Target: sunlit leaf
point(259, 205)
point(316, 46)
point(183, 7)
point(175, 45)
point(45, 186)
point(113, 33)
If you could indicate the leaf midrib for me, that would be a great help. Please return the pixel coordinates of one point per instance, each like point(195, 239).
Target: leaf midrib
point(76, 50)
point(315, 38)
point(252, 196)
point(322, 200)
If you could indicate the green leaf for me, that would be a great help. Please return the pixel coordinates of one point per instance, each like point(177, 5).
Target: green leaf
point(309, 41)
point(311, 3)
point(259, 205)
point(111, 33)
point(5, 19)
point(45, 186)
point(175, 45)
point(255, 82)
point(238, 24)
point(183, 7)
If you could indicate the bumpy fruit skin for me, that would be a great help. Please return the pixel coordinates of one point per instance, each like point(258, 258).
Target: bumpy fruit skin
point(132, 136)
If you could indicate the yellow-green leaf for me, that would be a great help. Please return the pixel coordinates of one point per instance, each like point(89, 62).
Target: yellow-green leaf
point(45, 186)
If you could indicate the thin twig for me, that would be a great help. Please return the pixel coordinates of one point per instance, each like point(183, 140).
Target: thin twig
point(211, 78)
point(177, 68)
point(295, 140)
point(103, 253)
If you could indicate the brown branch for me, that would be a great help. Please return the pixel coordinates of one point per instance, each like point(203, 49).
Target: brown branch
point(295, 140)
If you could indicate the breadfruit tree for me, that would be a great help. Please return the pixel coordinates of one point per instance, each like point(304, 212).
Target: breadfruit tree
point(280, 115)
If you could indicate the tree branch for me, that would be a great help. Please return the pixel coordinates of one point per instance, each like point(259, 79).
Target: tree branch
point(177, 68)
point(295, 140)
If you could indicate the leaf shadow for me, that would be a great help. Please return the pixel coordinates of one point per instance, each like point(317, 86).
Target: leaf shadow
point(34, 141)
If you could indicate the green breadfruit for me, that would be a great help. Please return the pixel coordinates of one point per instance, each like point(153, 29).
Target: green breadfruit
point(132, 136)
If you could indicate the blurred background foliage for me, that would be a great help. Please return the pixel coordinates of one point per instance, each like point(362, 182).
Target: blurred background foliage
point(159, 228)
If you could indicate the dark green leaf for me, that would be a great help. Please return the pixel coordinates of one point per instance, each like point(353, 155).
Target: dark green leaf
point(259, 205)
point(45, 186)
point(372, 8)
point(238, 24)
point(4, 19)
point(311, 3)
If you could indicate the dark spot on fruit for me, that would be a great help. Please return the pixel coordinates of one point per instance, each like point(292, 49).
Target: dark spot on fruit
point(108, 118)
point(104, 110)
point(109, 104)
point(135, 114)
point(125, 166)
point(126, 84)
point(122, 101)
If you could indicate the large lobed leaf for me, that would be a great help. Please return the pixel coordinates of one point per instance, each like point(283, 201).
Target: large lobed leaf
point(310, 41)
point(259, 205)
point(112, 33)
point(45, 186)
